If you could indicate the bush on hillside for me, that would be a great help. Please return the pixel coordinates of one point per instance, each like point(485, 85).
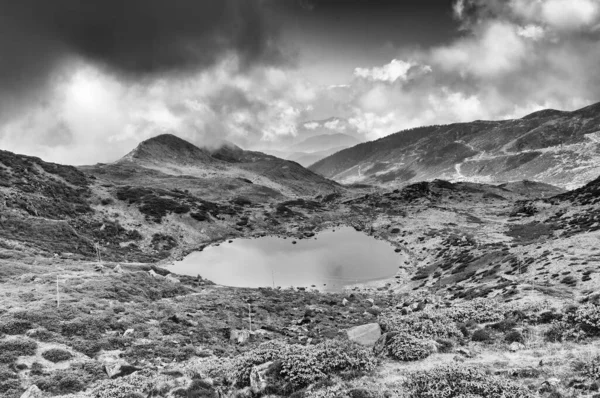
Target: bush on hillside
point(10, 350)
point(454, 381)
point(481, 335)
point(56, 355)
point(404, 347)
point(14, 326)
point(514, 336)
point(304, 365)
point(423, 325)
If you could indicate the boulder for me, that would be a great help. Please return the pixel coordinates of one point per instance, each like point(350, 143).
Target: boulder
point(345, 302)
point(464, 352)
point(118, 269)
point(239, 336)
point(258, 377)
point(119, 369)
point(366, 335)
point(154, 274)
point(172, 279)
point(32, 392)
point(128, 332)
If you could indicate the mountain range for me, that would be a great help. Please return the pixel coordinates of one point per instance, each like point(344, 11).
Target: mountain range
point(551, 146)
point(315, 148)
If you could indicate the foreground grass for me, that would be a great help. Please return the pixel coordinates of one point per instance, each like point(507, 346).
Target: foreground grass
point(175, 339)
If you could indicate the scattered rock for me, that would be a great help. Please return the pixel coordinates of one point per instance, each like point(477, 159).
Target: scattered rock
point(366, 335)
point(258, 377)
point(464, 352)
point(172, 279)
point(128, 332)
point(239, 336)
point(119, 369)
point(516, 346)
point(32, 392)
point(154, 275)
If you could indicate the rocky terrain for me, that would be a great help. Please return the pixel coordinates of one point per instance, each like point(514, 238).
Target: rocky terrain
point(498, 296)
point(555, 147)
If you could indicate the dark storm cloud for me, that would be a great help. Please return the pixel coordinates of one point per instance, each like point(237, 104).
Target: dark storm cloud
point(134, 38)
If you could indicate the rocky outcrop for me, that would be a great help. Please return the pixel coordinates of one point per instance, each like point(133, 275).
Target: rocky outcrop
point(366, 335)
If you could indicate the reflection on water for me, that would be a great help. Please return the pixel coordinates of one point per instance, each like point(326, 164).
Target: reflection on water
point(335, 258)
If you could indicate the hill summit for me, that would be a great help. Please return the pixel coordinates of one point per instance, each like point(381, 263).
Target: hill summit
point(169, 149)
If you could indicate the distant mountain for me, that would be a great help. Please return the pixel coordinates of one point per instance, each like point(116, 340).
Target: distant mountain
point(226, 170)
point(315, 148)
point(323, 142)
point(555, 147)
point(308, 158)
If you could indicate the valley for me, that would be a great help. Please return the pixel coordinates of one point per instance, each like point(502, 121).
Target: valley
point(495, 277)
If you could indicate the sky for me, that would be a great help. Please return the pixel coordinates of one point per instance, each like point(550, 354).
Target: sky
point(85, 81)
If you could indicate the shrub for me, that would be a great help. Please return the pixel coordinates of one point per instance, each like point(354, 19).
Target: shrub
point(555, 332)
point(587, 317)
point(423, 325)
point(304, 365)
point(403, 347)
point(455, 381)
point(514, 336)
point(56, 355)
point(10, 350)
point(10, 388)
point(71, 380)
point(479, 310)
point(445, 346)
point(61, 382)
point(504, 325)
point(589, 368)
point(15, 326)
point(481, 335)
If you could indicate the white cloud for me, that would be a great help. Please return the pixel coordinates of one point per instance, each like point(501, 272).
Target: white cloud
point(564, 15)
point(533, 32)
point(96, 118)
point(335, 124)
point(311, 125)
point(496, 48)
point(396, 69)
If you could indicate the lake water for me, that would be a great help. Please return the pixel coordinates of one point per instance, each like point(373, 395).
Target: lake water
point(331, 260)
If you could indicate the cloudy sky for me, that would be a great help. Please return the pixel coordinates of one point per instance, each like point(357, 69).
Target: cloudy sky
point(84, 81)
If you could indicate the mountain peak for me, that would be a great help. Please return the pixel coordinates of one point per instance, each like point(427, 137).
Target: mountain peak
point(168, 148)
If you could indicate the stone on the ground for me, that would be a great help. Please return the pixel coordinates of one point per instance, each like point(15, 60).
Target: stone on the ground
point(118, 269)
point(172, 279)
point(345, 302)
point(516, 346)
point(128, 332)
point(32, 392)
point(258, 377)
point(464, 352)
point(119, 369)
point(239, 336)
point(365, 335)
point(154, 274)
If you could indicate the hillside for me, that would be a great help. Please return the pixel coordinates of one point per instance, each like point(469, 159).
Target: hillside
point(554, 147)
point(161, 200)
